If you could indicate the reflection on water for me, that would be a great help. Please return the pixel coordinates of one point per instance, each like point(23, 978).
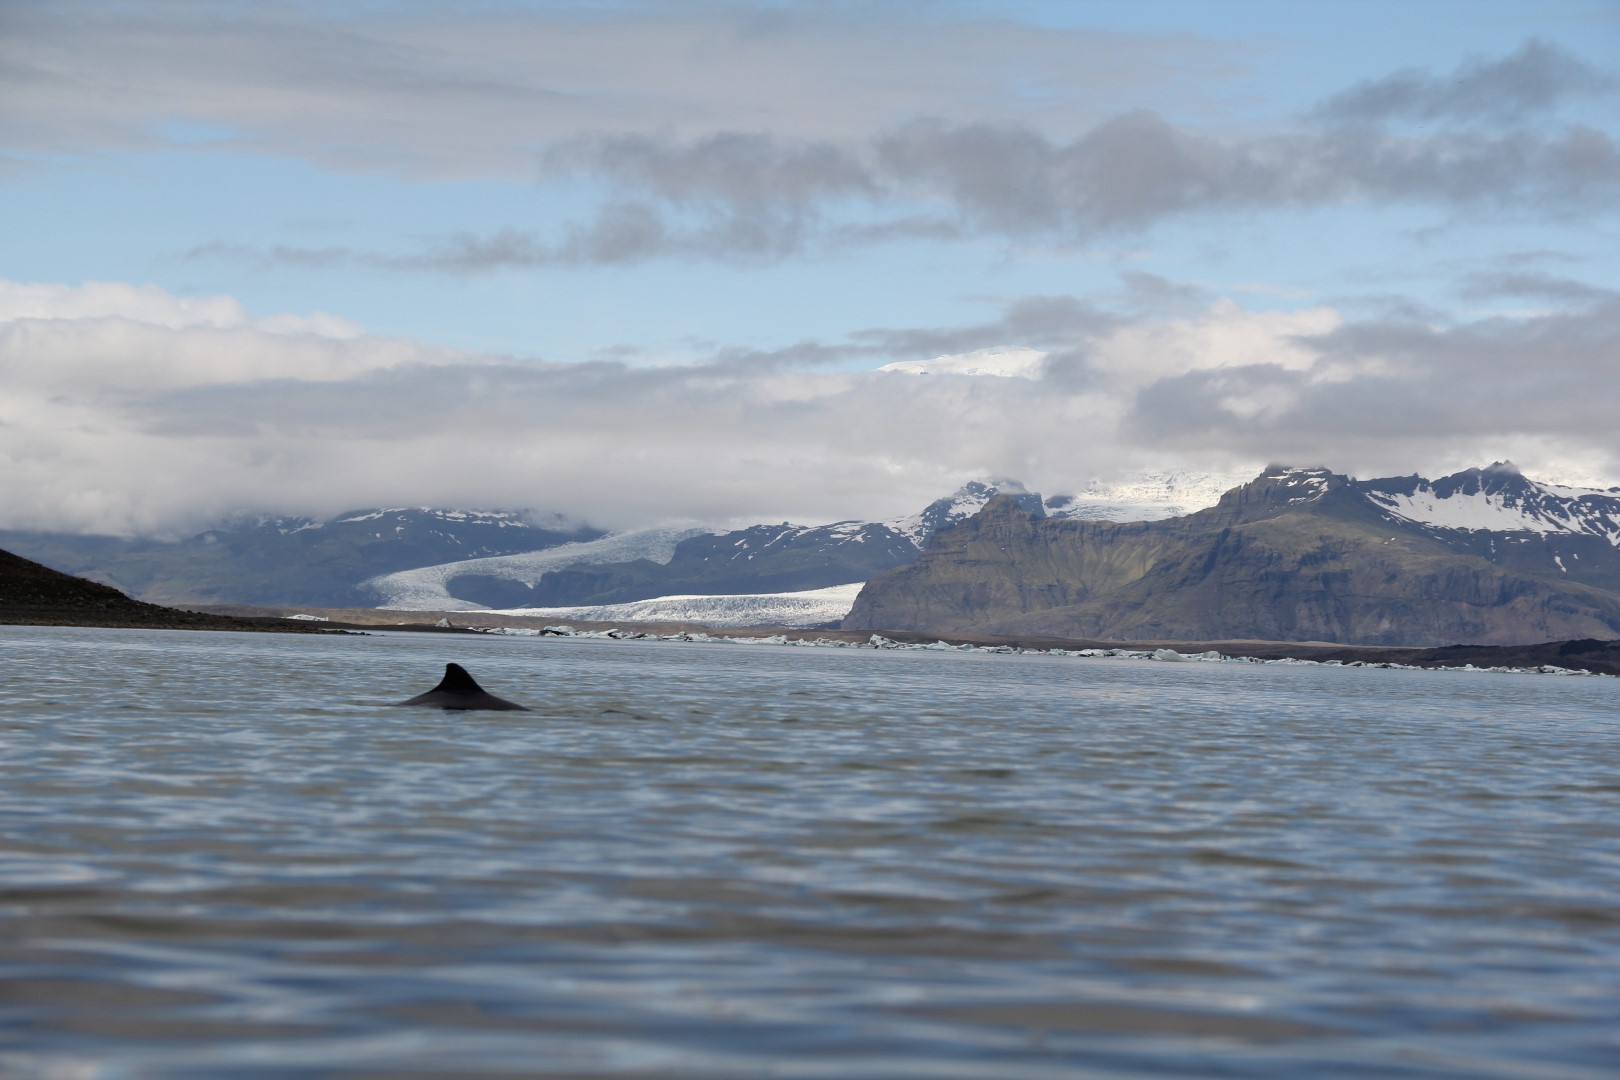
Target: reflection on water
point(219, 856)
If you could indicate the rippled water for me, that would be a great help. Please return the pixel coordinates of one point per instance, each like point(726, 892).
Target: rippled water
point(220, 857)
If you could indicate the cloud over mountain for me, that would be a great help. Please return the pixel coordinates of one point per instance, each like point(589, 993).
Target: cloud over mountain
point(117, 420)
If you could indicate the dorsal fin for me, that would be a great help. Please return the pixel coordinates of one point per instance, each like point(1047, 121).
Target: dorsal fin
point(457, 681)
point(459, 690)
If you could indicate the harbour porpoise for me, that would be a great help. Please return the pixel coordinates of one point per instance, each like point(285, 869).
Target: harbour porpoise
point(459, 690)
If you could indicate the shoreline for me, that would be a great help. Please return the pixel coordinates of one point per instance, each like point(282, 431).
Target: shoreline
point(1593, 655)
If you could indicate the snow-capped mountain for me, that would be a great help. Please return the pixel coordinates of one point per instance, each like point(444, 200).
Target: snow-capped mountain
point(400, 517)
point(968, 500)
point(658, 563)
point(1484, 556)
point(1499, 498)
point(426, 558)
point(1496, 509)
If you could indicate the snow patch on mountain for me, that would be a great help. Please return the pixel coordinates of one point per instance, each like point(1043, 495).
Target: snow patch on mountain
point(795, 610)
point(1477, 510)
point(1002, 361)
point(424, 588)
point(1501, 500)
point(504, 519)
point(1302, 485)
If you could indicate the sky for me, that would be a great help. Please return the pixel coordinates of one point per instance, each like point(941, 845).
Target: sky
point(640, 262)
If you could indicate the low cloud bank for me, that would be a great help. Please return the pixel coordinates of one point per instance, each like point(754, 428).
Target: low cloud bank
point(129, 410)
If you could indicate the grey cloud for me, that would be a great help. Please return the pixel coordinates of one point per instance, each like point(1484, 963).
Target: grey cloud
point(711, 187)
point(1126, 175)
point(1044, 322)
point(729, 169)
point(1405, 392)
point(843, 237)
point(469, 253)
point(1486, 286)
point(306, 258)
point(1535, 79)
point(1393, 307)
point(1535, 257)
point(1146, 292)
point(621, 233)
point(474, 90)
point(755, 153)
point(1139, 169)
point(1000, 175)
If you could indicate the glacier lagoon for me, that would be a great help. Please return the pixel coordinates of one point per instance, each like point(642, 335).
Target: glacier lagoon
point(219, 856)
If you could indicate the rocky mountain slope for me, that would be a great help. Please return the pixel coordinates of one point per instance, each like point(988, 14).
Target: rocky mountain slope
point(1485, 556)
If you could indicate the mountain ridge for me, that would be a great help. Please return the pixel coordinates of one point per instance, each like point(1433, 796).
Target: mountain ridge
point(779, 558)
point(1391, 536)
point(1296, 554)
point(252, 559)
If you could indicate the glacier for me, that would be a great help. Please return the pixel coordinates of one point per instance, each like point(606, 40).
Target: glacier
point(1147, 496)
point(425, 587)
point(793, 610)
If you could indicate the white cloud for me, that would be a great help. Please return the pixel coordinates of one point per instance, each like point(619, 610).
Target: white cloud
point(152, 306)
point(1223, 335)
point(112, 423)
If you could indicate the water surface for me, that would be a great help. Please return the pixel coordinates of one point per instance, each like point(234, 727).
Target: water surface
point(219, 856)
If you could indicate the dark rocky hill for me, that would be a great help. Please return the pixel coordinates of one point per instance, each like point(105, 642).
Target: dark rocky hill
point(35, 595)
point(1296, 555)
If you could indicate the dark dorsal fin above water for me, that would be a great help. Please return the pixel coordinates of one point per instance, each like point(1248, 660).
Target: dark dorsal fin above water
point(459, 690)
point(457, 681)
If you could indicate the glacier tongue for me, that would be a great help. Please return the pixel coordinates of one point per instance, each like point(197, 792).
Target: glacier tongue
point(424, 588)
